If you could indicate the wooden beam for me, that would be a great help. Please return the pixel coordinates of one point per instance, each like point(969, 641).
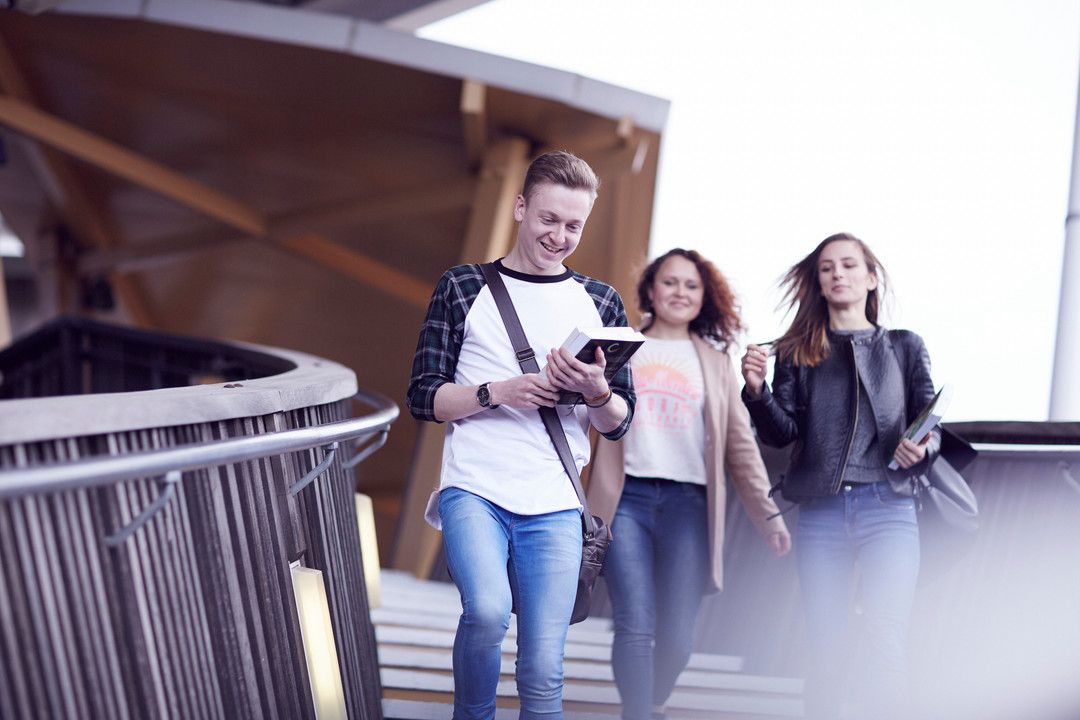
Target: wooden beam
point(68, 195)
point(292, 233)
point(474, 120)
point(309, 246)
point(447, 194)
point(628, 158)
point(641, 154)
point(359, 267)
point(51, 168)
point(490, 230)
point(288, 232)
point(5, 313)
point(603, 138)
point(154, 253)
point(628, 243)
point(417, 544)
point(73, 140)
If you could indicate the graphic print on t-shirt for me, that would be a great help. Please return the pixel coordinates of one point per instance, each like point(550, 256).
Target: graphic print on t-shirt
point(669, 389)
point(667, 437)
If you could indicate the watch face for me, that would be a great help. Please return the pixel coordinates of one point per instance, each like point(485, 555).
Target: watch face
point(483, 395)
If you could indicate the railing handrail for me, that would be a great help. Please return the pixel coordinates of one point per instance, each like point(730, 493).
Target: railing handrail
point(94, 472)
point(1026, 450)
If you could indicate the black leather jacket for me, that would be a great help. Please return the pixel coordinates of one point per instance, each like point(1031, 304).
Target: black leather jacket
point(815, 407)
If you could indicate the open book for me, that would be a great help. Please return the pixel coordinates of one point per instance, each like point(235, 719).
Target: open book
point(618, 344)
point(928, 418)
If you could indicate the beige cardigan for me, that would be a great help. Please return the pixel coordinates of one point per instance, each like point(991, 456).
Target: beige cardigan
point(728, 441)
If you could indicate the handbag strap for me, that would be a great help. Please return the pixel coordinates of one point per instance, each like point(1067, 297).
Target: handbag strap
point(527, 360)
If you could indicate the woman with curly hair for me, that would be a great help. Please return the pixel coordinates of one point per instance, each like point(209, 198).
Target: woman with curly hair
point(661, 487)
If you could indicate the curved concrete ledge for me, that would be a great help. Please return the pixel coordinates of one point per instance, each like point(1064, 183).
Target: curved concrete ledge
point(150, 521)
point(314, 381)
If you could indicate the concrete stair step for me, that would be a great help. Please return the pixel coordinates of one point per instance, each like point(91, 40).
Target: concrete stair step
point(606, 694)
point(415, 631)
point(406, 657)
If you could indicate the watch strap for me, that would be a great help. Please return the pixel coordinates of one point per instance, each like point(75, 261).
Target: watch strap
point(484, 389)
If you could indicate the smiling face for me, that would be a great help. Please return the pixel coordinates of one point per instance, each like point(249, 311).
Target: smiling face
point(844, 276)
point(550, 224)
point(677, 292)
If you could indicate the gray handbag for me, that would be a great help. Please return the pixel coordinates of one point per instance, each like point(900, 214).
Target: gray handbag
point(944, 492)
point(941, 494)
point(948, 510)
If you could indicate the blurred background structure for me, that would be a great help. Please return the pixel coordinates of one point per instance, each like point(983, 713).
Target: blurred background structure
point(179, 178)
point(301, 180)
point(252, 172)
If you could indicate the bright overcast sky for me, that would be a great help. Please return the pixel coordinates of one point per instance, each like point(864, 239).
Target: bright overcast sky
point(939, 131)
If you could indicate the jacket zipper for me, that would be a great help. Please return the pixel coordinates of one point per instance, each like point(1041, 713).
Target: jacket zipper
point(854, 424)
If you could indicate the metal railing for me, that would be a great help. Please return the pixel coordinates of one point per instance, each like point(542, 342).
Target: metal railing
point(170, 463)
point(107, 470)
point(154, 494)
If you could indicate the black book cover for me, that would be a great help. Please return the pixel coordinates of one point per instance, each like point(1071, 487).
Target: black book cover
point(618, 346)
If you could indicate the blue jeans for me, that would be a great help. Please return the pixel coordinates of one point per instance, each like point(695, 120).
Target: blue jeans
point(492, 553)
point(871, 528)
point(656, 571)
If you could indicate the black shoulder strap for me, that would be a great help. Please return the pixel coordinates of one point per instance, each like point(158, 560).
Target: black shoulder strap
point(527, 360)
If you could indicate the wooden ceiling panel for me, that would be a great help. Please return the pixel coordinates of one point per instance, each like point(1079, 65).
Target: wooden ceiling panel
point(274, 125)
point(396, 243)
point(319, 144)
point(226, 70)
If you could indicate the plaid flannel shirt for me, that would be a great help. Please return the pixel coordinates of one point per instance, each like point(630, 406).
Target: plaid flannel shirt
point(442, 333)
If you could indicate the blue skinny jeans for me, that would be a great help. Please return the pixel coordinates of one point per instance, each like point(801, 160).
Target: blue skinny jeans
point(656, 572)
point(496, 557)
point(857, 631)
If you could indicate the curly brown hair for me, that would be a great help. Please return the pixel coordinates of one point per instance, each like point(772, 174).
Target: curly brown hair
point(719, 319)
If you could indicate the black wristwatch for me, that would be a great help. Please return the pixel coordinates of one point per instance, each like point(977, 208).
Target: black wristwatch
point(483, 396)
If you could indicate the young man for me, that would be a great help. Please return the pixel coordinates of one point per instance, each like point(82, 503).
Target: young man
point(510, 518)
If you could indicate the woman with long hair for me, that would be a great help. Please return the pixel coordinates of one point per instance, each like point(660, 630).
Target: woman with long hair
point(661, 487)
point(843, 391)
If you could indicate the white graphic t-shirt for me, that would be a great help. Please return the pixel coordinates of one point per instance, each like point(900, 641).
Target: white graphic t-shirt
point(667, 437)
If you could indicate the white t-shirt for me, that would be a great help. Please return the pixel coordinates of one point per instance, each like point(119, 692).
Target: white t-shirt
point(503, 454)
point(667, 437)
